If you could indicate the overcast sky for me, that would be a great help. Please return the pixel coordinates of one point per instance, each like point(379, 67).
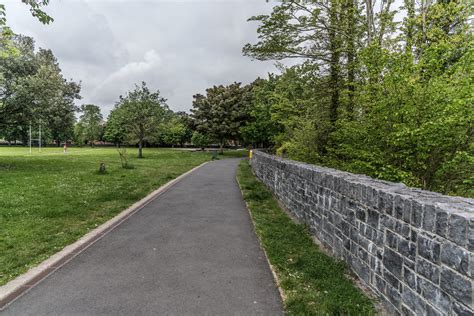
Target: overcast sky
point(180, 47)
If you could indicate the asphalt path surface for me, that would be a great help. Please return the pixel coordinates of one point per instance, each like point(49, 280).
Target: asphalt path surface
point(192, 251)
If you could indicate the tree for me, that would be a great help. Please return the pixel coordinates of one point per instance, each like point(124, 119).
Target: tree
point(222, 112)
point(13, 69)
point(173, 132)
point(59, 109)
point(79, 134)
point(90, 121)
point(200, 140)
point(35, 9)
point(6, 34)
point(261, 129)
point(33, 90)
point(312, 31)
point(404, 107)
point(115, 131)
point(189, 124)
point(139, 115)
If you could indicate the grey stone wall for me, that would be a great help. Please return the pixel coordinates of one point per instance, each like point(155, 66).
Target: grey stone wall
point(413, 248)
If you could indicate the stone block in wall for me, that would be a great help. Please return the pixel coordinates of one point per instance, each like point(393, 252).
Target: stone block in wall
point(457, 286)
point(455, 257)
point(413, 301)
point(441, 224)
point(428, 270)
point(461, 310)
point(373, 218)
point(410, 279)
point(429, 248)
point(393, 262)
point(391, 239)
point(470, 234)
point(429, 218)
point(387, 222)
point(416, 214)
point(434, 295)
point(386, 203)
point(457, 229)
point(393, 295)
point(407, 249)
point(402, 229)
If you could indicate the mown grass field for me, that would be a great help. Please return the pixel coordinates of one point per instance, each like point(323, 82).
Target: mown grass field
point(50, 199)
point(313, 283)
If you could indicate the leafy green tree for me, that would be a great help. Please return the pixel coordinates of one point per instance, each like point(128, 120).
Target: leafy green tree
point(189, 124)
point(115, 132)
point(403, 90)
point(36, 9)
point(79, 134)
point(221, 113)
point(173, 132)
point(260, 128)
point(200, 140)
point(138, 116)
point(6, 34)
point(33, 90)
point(90, 121)
point(14, 69)
point(322, 33)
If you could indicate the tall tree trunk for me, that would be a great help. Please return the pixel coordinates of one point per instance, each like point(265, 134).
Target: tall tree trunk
point(140, 148)
point(410, 19)
point(334, 83)
point(384, 19)
point(351, 52)
point(370, 20)
point(334, 67)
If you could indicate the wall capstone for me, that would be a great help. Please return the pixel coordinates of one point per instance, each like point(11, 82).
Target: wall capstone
point(413, 248)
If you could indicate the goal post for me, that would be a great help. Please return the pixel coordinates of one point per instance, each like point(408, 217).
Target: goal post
point(32, 139)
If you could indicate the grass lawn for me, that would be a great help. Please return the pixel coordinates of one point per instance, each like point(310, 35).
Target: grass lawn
point(313, 282)
point(50, 199)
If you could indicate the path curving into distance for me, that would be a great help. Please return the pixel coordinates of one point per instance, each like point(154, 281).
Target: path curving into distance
point(192, 250)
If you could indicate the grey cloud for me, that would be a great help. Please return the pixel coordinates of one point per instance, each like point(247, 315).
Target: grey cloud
point(179, 47)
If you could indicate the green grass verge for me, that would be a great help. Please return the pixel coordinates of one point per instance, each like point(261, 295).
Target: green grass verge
point(313, 282)
point(51, 199)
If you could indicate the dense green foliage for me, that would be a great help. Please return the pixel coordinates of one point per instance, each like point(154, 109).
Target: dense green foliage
point(137, 117)
point(177, 130)
point(142, 117)
point(36, 10)
point(32, 88)
point(200, 140)
point(393, 100)
point(221, 112)
point(34, 91)
point(313, 283)
point(6, 34)
point(89, 129)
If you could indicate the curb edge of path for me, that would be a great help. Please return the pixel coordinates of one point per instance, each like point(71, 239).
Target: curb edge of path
point(276, 279)
point(24, 282)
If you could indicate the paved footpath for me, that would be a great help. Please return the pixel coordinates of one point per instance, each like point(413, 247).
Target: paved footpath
point(191, 251)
